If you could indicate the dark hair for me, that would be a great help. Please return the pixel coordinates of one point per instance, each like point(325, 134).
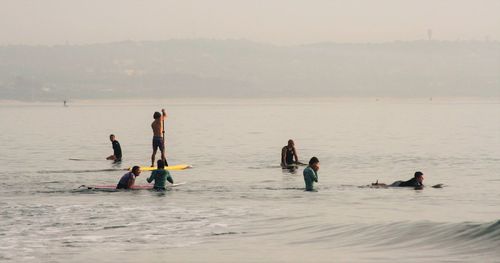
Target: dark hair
point(156, 115)
point(135, 168)
point(417, 174)
point(160, 164)
point(111, 135)
point(313, 161)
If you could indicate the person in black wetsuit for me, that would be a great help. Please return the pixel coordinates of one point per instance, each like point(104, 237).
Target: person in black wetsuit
point(117, 150)
point(416, 181)
point(288, 154)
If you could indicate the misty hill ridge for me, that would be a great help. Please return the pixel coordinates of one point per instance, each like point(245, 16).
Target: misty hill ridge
point(239, 68)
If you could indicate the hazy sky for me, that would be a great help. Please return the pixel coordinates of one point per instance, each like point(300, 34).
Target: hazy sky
point(274, 21)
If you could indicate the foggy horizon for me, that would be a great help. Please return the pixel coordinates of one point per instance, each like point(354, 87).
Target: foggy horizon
point(381, 42)
point(278, 22)
point(56, 49)
point(238, 68)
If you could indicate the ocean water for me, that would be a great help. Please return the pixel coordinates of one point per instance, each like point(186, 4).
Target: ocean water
point(237, 204)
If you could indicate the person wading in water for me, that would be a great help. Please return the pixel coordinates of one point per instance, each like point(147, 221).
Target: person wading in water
point(289, 155)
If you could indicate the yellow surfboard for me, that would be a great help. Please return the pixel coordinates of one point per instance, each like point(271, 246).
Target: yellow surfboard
point(178, 167)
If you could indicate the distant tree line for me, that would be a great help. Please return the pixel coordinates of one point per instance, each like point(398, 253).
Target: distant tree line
point(239, 68)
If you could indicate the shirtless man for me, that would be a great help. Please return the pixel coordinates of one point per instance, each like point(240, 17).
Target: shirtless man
point(159, 136)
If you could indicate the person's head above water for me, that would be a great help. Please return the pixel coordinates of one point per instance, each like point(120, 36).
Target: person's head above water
point(136, 170)
point(419, 176)
point(160, 164)
point(291, 143)
point(314, 163)
point(156, 115)
point(112, 137)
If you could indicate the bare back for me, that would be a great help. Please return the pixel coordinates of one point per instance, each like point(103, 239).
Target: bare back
point(156, 125)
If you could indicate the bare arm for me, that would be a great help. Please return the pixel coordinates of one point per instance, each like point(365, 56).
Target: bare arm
point(131, 182)
point(283, 156)
point(164, 114)
point(162, 124)
point(295, 154)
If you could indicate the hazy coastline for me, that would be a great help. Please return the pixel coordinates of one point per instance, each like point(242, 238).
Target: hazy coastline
point(241, 68)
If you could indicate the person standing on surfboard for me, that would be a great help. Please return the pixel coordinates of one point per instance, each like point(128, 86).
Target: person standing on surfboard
point(160, 176)
point(117, 150)
point(159, 136)
point(128, 179)
point(288, 154)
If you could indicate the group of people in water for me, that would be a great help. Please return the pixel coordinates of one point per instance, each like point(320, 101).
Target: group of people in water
point(160, 176)
point(158, 140)
point(289, 160)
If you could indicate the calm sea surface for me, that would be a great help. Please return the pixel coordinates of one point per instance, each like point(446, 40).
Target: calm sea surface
point(237, 204)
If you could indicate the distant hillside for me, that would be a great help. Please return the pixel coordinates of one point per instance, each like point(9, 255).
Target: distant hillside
point(238, 68)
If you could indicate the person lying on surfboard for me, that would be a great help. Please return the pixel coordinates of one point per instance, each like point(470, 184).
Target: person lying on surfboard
point(311, 173)
point(117, 150)
point(415, 182)
point(160, 176)
point(159, 136)
point(288, 154)
point(128, 179)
